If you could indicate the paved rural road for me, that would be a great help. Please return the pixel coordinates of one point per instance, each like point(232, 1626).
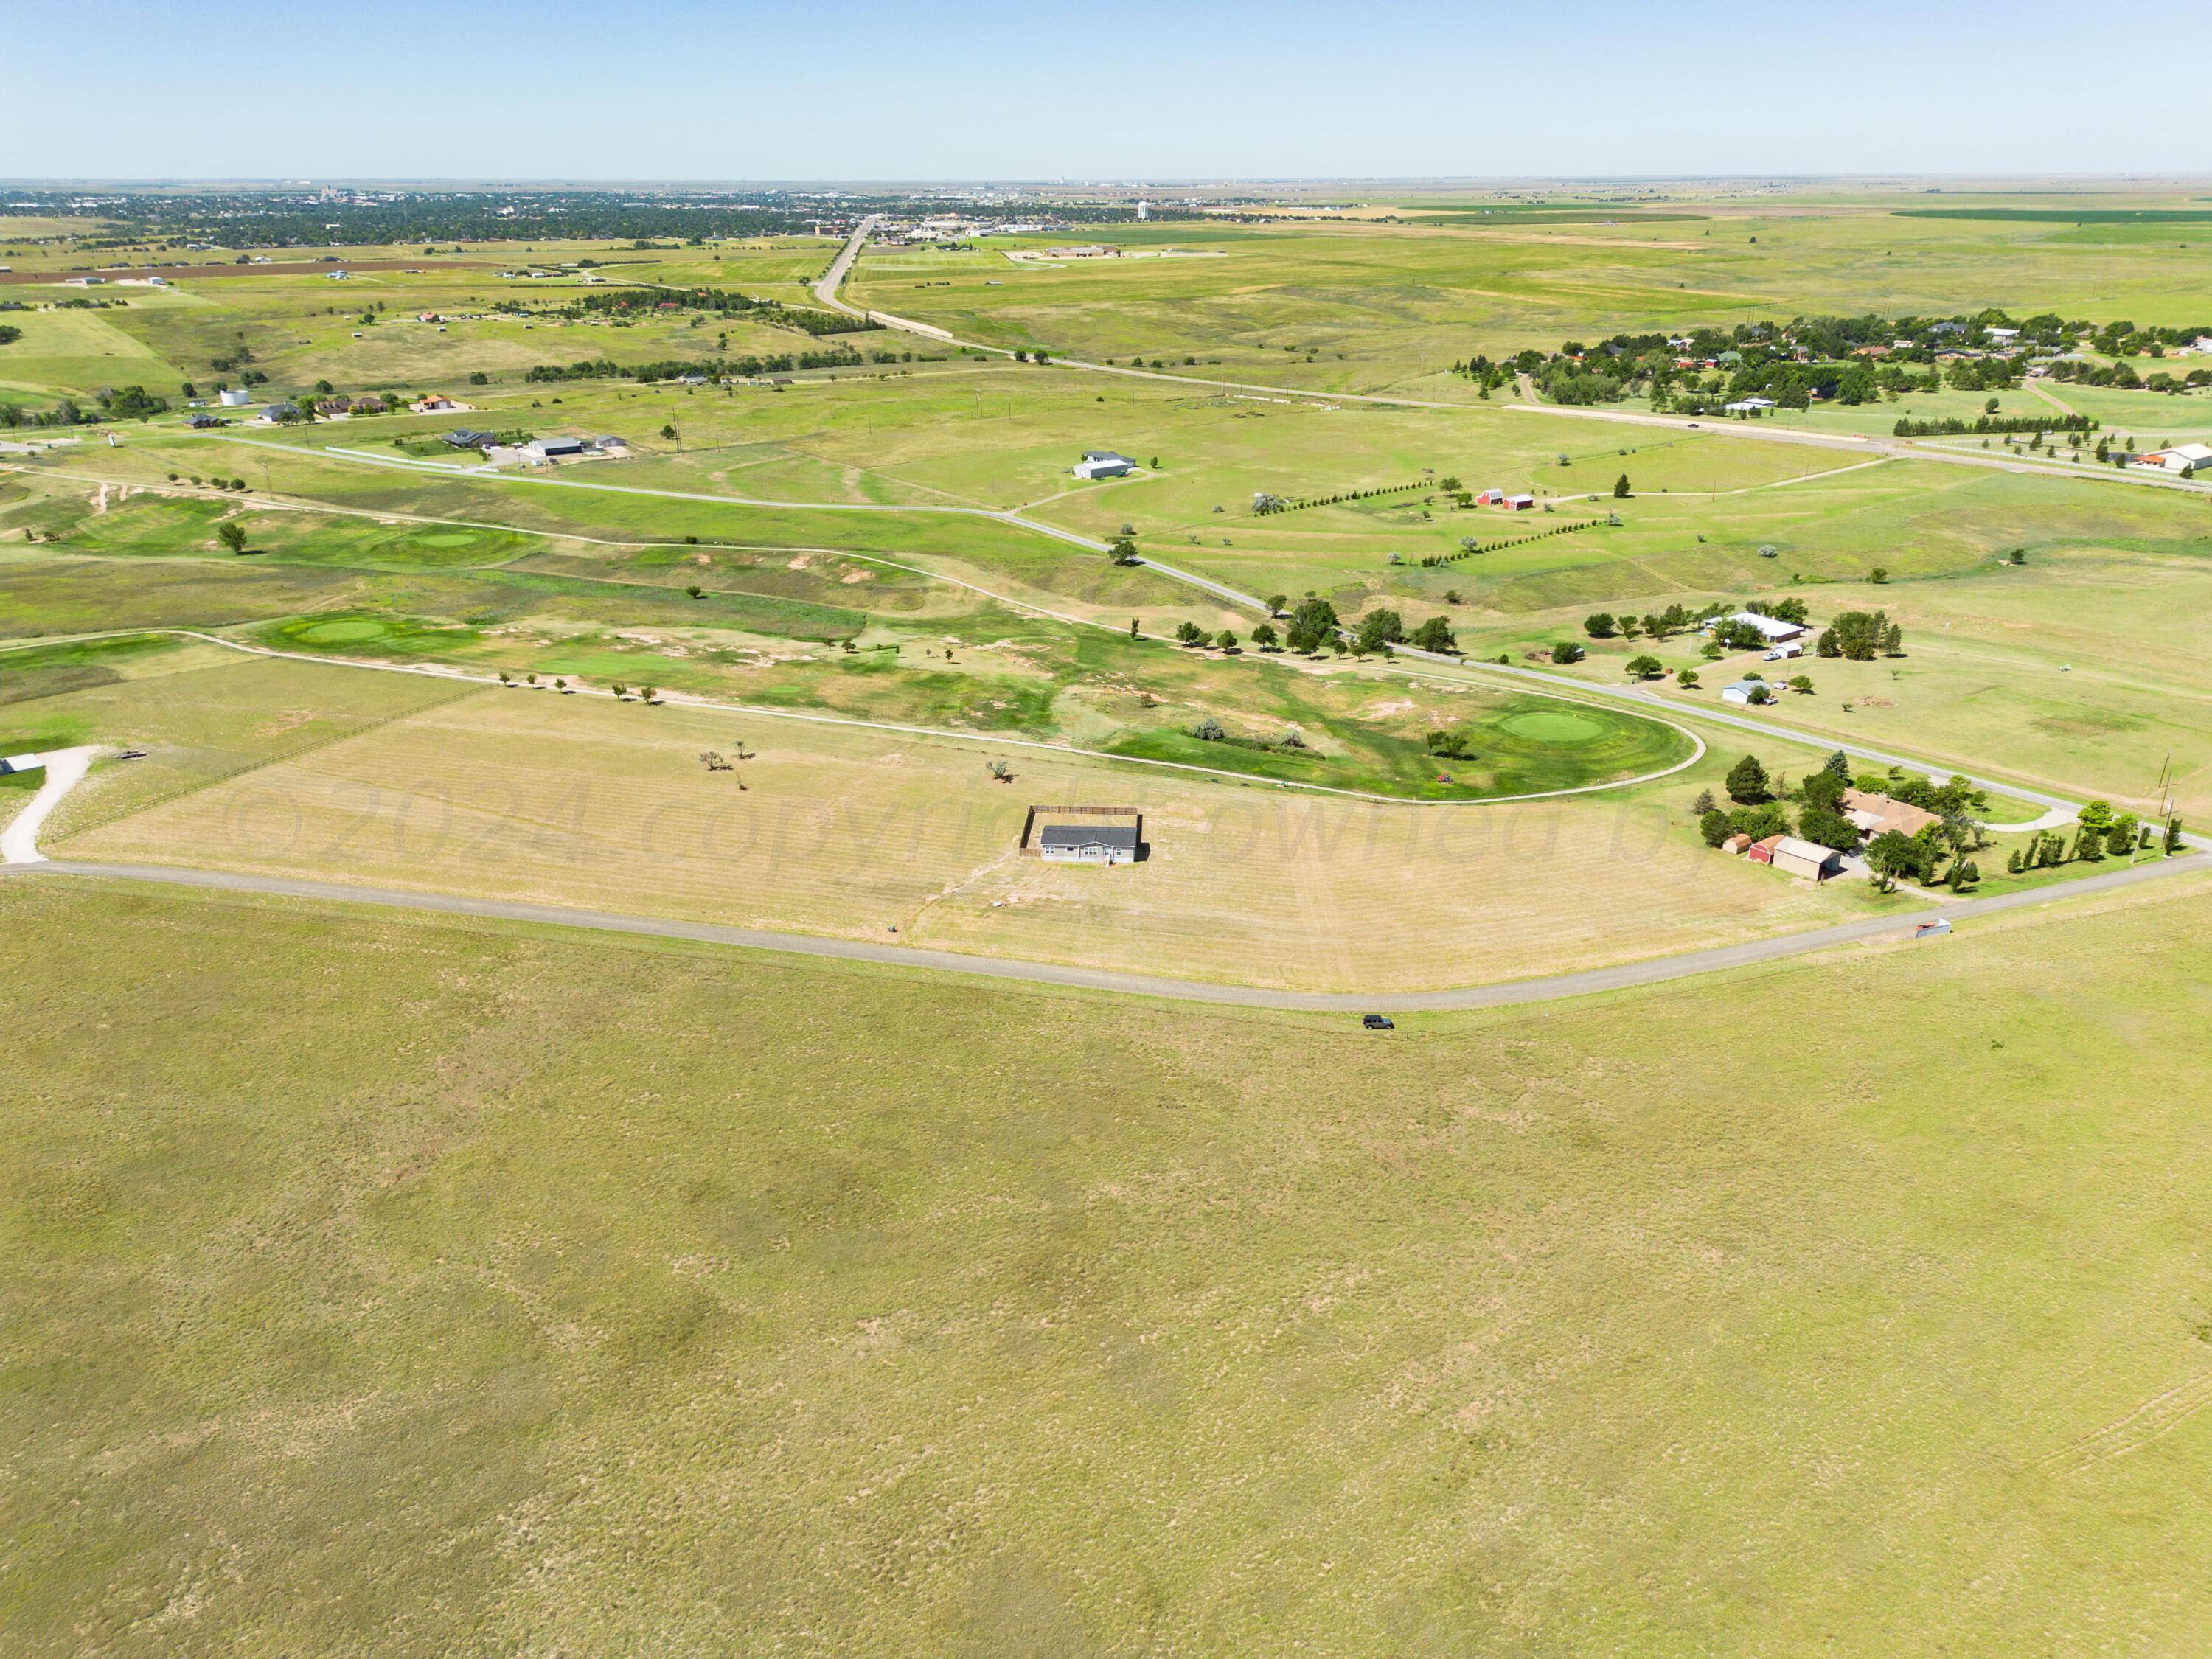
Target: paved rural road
point(1040, 973)
point(1207, 584)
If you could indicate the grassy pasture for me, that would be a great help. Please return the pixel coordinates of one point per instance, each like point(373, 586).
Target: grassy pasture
point(301, 327)
point(586, 802)
point(201, 713)
point(1377, 306)
point(62, 594)
point(460, 1289)
point(1930, 525)
point(80, 351)
point(2051, 673)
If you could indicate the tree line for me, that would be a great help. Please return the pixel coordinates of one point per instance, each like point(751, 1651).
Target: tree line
point(1469, 545)
point(1952, 426)
point(715, 369)
point(1265, 504)
point(624, 303)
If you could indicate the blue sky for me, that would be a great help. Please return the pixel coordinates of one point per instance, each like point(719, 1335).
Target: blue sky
point(871, 89)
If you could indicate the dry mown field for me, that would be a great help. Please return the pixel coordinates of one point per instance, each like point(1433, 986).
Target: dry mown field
point(580, 801)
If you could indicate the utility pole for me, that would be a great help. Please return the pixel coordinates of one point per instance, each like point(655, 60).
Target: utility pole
point(2164, 790)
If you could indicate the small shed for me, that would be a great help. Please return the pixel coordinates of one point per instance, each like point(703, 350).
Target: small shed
point(1808, 860)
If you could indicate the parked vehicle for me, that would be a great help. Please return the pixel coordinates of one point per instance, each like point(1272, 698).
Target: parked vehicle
point(1378, 1023)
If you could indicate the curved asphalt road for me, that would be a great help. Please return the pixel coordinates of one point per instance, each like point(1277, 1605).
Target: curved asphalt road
point(1550, 989)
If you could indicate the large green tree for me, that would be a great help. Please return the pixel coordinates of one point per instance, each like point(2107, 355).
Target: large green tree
point(1747, 782)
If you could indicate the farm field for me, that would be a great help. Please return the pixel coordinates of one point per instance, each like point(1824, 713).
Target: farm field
point(1372, 306)
point(467, 1288)
point(592, 803)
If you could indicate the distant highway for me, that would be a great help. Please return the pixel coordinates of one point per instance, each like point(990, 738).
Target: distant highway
point(834, 278)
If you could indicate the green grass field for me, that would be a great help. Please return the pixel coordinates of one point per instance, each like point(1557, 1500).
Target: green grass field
point(462, 1289)
point(378, 1284)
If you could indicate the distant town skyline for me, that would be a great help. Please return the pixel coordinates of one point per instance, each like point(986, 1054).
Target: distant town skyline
point(982, 89)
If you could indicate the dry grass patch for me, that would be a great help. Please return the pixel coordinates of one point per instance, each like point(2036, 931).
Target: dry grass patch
point(579, 801)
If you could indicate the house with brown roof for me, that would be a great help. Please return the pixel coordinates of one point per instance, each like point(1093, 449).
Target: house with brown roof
point(1874, 814)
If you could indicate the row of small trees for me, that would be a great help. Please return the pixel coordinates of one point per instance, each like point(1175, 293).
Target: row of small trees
point(1469, 545)
point(1265, 504)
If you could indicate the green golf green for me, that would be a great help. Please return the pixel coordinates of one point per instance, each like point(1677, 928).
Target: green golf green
point(347, 630)
point(1556, 726)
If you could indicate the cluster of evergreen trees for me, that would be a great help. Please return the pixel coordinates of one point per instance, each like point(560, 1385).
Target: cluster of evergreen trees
point(128, 403)
point(1849, 360)
point(1659, 624)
